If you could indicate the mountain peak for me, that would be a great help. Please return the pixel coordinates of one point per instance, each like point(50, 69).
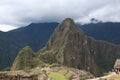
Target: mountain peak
point(68, 21)
point(69, 46)
point(23, 59)
point(63, 31)
point(67, 25)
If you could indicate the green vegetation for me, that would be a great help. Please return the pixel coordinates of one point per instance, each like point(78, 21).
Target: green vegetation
point(61, 75)
point(6, 69)
point(24, 59)
point(65, 73)
point(57, 76)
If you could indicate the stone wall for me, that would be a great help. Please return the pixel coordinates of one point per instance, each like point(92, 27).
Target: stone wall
point(14, 75)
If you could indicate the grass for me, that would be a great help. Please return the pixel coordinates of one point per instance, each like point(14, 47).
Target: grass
point(61, 75)
point(57, 76)
point(65, 73)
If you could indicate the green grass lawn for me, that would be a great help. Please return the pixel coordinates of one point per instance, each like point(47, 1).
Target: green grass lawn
point(62, 74)
point(57, 76)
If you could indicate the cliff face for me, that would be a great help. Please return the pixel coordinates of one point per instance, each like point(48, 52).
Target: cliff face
point(69, 46)
point(23, 59)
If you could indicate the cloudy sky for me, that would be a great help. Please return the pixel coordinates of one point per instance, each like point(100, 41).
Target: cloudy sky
point(17, 13)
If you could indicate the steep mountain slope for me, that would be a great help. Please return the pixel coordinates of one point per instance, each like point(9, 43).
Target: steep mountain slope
point(69, 46)
point(107, 31)
point(23, 59)
point(34, 35)
point(7, 49)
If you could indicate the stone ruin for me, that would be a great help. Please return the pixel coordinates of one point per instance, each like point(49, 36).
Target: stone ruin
point(17, 75)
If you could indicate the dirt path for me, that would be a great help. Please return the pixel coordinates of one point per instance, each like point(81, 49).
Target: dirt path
point(104, 77)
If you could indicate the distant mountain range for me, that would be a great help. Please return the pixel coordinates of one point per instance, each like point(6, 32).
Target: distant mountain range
point(107, 31)
point(34, 35)
point(37, 35)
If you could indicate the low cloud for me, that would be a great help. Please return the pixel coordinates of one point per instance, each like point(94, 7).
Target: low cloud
point(23, 12)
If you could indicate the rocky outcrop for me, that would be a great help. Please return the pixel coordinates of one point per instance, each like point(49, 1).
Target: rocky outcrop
point(23, 59)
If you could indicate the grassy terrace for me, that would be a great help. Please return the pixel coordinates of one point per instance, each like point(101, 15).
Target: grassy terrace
point(60, 75)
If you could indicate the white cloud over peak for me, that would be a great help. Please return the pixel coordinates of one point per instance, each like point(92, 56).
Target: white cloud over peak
point(23, 12)
point(6, 28)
